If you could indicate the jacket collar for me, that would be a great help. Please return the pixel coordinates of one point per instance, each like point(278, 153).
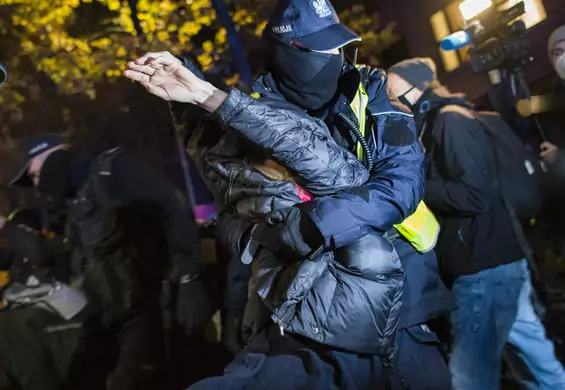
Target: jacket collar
point(433, 99)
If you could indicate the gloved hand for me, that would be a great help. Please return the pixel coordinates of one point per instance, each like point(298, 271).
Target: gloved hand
point(194, 306)
point(233, 232)
point(231, 332)
point(290, 233)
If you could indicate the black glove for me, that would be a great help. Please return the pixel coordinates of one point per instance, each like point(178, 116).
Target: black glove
point(194, 307)
point(231, 332)
point(289, 232)
point(233, 232)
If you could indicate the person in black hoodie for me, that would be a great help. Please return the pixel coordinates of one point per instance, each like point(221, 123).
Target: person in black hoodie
point(478, 253)
point(120, 208)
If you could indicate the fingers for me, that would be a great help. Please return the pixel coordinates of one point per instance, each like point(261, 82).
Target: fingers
point(137, 76)
point(148, 70)
point(139, 72)
point(157, 59)
point(168, 63)
point(151, 62)
point(143, 59)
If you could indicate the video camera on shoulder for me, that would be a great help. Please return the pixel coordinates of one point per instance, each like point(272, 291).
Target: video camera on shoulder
point(497, 39)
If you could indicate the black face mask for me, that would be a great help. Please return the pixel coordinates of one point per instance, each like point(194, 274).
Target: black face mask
point(426, 103)
point(402, 99)
point(306, 78)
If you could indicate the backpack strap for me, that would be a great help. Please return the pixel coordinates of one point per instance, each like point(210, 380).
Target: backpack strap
point(515, 223)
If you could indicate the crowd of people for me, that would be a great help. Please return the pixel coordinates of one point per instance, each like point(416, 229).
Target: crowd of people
point(374, 239)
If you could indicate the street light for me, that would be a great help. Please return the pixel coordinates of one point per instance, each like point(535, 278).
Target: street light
point(471, 8)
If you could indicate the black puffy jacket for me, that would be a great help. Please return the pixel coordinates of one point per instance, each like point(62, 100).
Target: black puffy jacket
point(357, 286)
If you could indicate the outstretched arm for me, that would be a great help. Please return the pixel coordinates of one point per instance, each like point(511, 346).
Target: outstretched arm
point(297, 141)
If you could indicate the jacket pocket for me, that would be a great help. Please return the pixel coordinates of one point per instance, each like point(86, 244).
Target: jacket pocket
point(423, 335)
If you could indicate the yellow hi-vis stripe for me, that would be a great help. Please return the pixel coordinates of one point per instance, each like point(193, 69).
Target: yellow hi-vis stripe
point(421, 229)
point(359, 107)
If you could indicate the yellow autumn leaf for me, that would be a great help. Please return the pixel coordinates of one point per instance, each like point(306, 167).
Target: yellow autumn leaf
point(114, 5)
point(102, 43)
point(163, 36)
point(205, 61)
point(121, 52)
point(232, 80)
point(208, 46)
point(220, 37)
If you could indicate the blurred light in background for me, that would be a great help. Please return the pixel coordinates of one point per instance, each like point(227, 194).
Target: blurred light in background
point(471, 8)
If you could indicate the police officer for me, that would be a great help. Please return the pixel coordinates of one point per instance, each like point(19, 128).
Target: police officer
point(123, 208)
point(304, 38)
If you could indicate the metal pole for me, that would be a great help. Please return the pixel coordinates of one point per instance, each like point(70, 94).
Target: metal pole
point(135, 17)
point(236, 46)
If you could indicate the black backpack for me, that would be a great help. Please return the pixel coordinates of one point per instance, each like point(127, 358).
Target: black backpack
point(518, 174)
point(108, 262)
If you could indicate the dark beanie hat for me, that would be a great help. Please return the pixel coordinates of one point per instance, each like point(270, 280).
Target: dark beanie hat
point(420, 72)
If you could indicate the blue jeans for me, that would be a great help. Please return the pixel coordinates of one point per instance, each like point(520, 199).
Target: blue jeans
point(533, 347)
point(487, 304)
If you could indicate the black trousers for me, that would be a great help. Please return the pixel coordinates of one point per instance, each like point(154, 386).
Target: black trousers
point(142, 359)
point(129, 354)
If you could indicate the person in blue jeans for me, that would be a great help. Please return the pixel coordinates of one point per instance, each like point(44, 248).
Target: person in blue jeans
point(529, 340)
point(478, 253)
point(487, 307)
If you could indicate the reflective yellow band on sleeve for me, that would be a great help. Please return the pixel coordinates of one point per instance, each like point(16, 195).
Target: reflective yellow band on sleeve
point(421, 229)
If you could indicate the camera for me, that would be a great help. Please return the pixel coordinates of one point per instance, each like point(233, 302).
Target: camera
point(497, 39)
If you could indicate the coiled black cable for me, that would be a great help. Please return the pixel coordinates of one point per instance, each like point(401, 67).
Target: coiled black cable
point(353, 127)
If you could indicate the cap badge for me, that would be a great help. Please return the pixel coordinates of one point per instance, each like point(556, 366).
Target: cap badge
point(321, 8)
